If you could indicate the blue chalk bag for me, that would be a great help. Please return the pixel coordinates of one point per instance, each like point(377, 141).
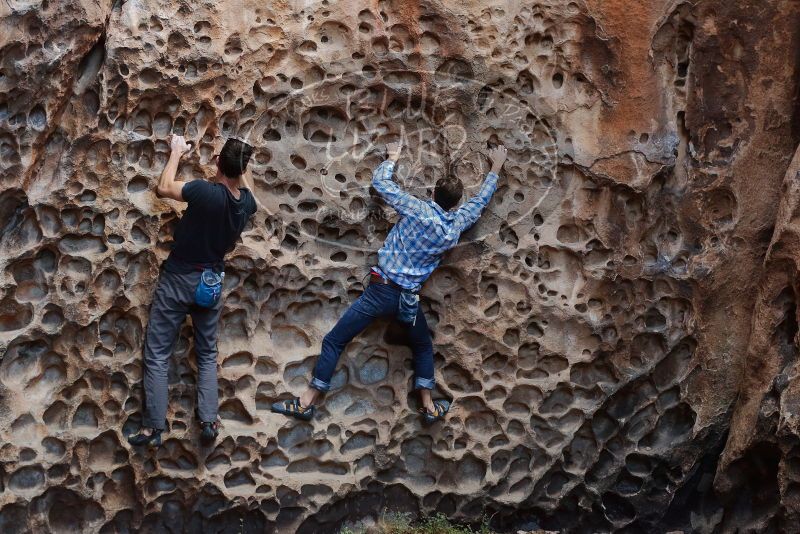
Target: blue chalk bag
point(209, 289)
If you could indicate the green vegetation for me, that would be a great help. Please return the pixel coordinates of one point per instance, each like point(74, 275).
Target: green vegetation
point(403, 523)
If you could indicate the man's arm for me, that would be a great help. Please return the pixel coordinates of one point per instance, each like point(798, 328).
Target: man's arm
point(469, 213)
point(402, 202)
point(167, 186)
point(247, 182)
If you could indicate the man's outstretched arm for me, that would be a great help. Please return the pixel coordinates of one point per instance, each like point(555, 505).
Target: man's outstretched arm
point(167, 186)
point(470, 211)
point(394, 196)
point(247, 181)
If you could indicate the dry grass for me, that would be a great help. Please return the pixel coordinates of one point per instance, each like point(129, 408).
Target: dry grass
point(400, 523)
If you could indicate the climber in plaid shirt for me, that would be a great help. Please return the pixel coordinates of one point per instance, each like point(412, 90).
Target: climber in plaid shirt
point(412, 250)
point(425, 231)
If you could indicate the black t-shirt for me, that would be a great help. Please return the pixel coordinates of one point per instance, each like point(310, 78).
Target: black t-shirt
point(210, 226)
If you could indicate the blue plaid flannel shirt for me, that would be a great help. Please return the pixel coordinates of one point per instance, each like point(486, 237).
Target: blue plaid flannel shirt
point(414, 247)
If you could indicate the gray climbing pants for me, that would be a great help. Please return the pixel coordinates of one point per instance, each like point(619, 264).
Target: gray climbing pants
point(173, 299)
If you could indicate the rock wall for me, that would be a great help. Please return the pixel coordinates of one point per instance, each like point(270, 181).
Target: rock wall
point(634, 276)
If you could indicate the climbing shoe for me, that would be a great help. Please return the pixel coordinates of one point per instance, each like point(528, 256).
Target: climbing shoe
point(441, 406)
point(140, 439)
point(208, 433)
point(292, 408)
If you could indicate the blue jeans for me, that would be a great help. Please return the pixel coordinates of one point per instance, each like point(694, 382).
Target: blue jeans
point(378, 300)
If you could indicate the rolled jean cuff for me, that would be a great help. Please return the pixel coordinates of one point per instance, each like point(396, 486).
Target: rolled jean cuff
point(424, 383)
point(318, 384)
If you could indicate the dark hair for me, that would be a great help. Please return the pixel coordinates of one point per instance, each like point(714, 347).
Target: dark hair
point(448, 192)
point(233, 158)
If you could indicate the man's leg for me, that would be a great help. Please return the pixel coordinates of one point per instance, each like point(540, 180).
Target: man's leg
point(167, 313)
point(376, 301)
point(205, 322)
point(422, 349)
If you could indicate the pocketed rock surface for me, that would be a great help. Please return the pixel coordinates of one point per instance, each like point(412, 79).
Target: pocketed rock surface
point(618, 332)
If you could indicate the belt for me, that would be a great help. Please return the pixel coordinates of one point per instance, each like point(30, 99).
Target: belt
point(375, 277)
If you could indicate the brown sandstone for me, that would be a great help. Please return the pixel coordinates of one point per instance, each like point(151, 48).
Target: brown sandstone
point(618, 332)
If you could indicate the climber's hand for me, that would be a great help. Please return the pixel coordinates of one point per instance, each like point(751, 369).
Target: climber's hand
point(498, 156)
point(167, 185)
point(394, 149)
point(178, 145)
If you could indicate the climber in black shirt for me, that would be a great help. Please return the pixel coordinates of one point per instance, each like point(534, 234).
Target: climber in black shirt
point(191, 282)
